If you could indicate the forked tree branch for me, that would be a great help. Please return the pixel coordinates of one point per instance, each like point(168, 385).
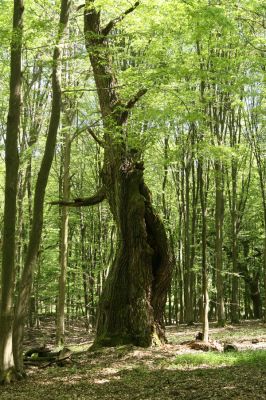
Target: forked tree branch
point(97, 198)
point(106, 30)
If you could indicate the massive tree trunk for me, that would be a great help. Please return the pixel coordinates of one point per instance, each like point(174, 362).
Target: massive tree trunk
point(21, 310)
point(132, 304)
point(11, 183)
point(133, 299)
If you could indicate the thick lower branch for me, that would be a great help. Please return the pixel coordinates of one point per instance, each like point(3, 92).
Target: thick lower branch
point(80, 202)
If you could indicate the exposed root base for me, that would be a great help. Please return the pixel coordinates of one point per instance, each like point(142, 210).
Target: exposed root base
point(11, 375)
point(118, 340)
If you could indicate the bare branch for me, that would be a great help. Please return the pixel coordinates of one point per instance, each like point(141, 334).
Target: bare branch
point(130, 104)
point(95, 137)
point(106, 30)
point(80, 7)
point(97, 198)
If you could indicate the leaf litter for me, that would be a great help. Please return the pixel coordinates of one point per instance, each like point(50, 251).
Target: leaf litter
point(173, 371)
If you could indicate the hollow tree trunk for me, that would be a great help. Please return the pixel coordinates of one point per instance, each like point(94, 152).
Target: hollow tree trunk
point(132, 303)
point(11, 183)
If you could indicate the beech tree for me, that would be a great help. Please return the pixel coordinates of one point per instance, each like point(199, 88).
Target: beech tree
point(40, 188)
point(11, 366)
point(11, 183)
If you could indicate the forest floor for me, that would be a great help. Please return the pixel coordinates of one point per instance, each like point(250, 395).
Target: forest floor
point(173, 371)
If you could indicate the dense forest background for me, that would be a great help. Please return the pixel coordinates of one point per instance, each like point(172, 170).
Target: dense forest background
point(195, 74)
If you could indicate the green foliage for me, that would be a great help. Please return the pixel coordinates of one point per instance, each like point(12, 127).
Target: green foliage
point(203, 65)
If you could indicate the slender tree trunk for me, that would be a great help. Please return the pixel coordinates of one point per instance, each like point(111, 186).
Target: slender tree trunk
point(60, 326)
point(11, 182)
point(183, 244)
point(195, 187)
point(264, 267)
point(37, 223)
point(166, 216)
point(235, 276)
point(85, 272)
point(180, 271)
point(205, 291)
point(261, 163)
point(203, 200)
point(132, 303)
point(247, 300)
point(255, 296)
point(219, 218)
point(188, 297)
point(179, 261)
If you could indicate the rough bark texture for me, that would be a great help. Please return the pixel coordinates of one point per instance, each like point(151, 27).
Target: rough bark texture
point(37, 222)
point(132, 304)
point(11, 183)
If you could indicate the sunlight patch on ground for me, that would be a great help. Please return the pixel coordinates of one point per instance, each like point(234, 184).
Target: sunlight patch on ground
point(101, 381)
point(109, 371)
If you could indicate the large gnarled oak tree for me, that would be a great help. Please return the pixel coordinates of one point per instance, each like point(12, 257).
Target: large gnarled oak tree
point(132, 303)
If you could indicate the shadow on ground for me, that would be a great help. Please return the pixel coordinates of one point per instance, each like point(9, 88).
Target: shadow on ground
point(112, 376)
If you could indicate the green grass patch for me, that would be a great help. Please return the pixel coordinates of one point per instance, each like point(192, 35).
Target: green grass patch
point(253, 358)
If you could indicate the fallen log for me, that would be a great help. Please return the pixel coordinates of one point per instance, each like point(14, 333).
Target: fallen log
point(42, 351)
point(39, 356)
